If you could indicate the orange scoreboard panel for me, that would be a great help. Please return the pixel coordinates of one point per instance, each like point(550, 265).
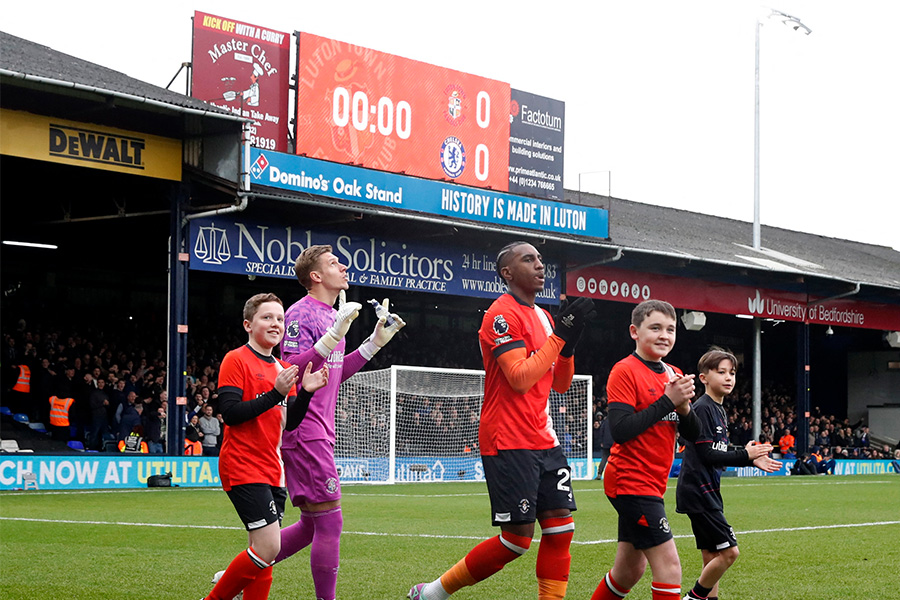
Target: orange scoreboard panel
point(368, 108)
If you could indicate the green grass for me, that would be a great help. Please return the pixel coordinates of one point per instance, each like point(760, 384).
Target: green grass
point(167, 543)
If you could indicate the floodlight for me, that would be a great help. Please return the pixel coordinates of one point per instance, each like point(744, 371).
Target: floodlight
point(694, 320)
point(893, 339)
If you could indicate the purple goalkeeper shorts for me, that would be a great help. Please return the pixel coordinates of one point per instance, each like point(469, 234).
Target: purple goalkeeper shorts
point(310, 473)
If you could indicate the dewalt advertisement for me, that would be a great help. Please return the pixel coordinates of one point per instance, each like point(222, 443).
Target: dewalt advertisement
point(88, 145)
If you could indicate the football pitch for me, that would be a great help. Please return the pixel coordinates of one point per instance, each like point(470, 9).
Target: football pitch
point(801, 538)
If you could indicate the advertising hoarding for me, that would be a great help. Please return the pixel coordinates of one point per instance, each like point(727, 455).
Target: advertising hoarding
point(88, 145)
point(609, 283)
point(360, 106)
point(378, 188)
point(536, 141)
point(102, 471)
point(230, 244)
point(245, 69)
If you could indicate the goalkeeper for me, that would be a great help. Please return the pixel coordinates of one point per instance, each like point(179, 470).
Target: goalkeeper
point(527, 475)
point(314, 332)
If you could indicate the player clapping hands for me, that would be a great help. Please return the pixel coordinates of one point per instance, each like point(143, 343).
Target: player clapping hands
point(759, 455)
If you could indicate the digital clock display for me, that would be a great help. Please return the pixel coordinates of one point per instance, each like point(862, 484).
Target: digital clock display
point(360, 106)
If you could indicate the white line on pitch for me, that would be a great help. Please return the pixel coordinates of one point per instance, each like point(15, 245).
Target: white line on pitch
point(777, 530)
point(428, 535)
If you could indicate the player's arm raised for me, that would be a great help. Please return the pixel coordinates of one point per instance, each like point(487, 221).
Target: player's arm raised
point(347, 312)
point(386, 328)
point(523, 371)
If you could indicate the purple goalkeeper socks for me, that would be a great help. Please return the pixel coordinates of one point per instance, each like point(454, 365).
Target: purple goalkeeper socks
point(297, 536)
point(325, 552)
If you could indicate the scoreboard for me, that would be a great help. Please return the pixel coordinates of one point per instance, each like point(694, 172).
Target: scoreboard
point(377, 110)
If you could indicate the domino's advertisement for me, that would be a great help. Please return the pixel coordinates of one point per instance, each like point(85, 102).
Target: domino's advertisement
point(379, 188)
point(229, 244)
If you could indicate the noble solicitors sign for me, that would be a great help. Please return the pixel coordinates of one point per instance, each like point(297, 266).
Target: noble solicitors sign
point(229, 244)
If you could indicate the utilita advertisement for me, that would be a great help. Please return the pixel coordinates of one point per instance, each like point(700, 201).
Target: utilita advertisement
point(245, 69)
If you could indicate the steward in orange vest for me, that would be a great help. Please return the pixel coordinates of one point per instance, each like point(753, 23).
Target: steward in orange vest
point(192, 448)
point(59, 417)
point(133, 443)
point(23, 383)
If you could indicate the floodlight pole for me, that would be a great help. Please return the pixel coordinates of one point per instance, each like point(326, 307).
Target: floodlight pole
point(797, 25)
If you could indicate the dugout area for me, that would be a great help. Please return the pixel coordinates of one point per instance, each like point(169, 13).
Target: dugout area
point(114, 230)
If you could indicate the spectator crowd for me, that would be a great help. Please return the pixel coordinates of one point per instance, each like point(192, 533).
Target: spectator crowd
point(107, 390)
point(118, 387)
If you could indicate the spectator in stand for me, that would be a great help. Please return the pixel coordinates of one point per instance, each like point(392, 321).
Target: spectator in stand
point(812, 435)
point(64, 386)
point(823, 440)
point(193, 437)
point(154, 423)
point(197, 409)
point(209, 427)
point(131, 419)
point(862, 437)
point(838, 439)
point(98, 400)
point(130, 400)
point(746, 434)
point(41, 390)
point(786, 444)
point(849, 437)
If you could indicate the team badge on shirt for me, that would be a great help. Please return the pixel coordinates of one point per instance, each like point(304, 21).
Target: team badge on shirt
point(664, 524)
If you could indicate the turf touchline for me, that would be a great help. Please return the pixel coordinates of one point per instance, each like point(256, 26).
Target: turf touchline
point(434, 536)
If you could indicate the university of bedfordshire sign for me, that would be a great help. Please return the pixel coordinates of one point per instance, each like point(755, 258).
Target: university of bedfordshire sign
point(610, 283)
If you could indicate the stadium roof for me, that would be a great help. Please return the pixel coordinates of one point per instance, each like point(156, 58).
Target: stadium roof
point(45, 72)
point(719, 248)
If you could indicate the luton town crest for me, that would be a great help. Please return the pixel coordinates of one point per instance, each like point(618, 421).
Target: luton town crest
point(455, 97)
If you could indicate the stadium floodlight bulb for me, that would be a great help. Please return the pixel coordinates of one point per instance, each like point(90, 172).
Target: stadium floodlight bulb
point(791, 21)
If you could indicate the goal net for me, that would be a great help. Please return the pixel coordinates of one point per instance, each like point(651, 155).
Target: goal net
point(406, 424)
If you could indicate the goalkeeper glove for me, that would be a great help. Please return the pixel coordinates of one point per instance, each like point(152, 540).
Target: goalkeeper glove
point(385, 329)
point(570, 322)
point(347, 311)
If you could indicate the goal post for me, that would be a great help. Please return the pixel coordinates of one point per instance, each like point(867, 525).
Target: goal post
point(409, 424)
